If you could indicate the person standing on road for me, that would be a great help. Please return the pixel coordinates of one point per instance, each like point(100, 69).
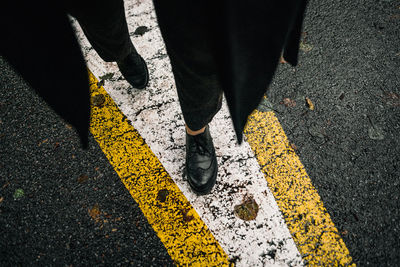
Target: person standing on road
point(230, 47)
point(215, 47)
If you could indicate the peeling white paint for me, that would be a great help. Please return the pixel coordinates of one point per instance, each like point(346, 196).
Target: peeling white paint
point(156, 114)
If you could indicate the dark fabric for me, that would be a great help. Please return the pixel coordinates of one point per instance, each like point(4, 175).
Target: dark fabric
point(104, 24)
point(38, 41)
point(40, 44)
point(189, 44)
point(233, 45)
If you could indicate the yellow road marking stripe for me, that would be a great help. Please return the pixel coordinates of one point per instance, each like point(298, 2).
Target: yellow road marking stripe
point(308, 221)
point(179, 227)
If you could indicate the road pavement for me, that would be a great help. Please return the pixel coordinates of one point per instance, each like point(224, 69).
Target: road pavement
point(62, 205)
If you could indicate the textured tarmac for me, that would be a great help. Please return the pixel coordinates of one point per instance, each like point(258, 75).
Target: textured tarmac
point(75, 210)
point(350, 69)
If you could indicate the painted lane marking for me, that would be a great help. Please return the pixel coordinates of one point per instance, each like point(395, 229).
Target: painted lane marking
point(155, 113)
point(308, 221)
point(264, 241)
point(185, 236)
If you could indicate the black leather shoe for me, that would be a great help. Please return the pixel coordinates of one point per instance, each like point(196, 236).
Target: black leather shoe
point(201, 162)
point(134, 69)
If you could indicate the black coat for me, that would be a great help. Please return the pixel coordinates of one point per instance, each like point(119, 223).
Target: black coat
point(244, 39)
point(250, 36)
point(39, 42)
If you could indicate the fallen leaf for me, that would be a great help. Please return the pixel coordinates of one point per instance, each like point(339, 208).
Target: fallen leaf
point(114, 230)
point(83, 178)
point(95, 212)
point(186, 217)
point(247, 210)
point(309, 103)
point(344, 232)
point(282, 60)
point(56, 145)
point(1, 199)
point(289, 102)
point(98, 100)
point(162, 195)
point(305, 47)
point(19, 193)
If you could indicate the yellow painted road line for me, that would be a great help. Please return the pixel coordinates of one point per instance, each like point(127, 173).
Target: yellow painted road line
point(181, 230)
point(308, 221)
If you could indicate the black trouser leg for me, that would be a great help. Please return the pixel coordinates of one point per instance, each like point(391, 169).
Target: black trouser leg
point(187, 34)
point(104, 24)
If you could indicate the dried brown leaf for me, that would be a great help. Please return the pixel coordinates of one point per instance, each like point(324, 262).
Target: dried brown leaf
point(162, 195)
point(305, 47)
point(186, 217)
point(247, 210)
point(289, 102)
point(310, 104)
point(98, 100)
point(95, 212)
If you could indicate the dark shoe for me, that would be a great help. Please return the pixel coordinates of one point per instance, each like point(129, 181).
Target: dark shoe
point(134, 69)
point(201, 162)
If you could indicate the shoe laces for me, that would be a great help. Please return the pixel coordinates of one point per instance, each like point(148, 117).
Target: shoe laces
point(200, 146)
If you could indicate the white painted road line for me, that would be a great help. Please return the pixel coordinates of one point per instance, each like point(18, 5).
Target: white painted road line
point(156, 114)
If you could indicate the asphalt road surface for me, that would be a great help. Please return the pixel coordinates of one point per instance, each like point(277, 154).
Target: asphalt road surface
point(62, 205)
point(350, 144)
